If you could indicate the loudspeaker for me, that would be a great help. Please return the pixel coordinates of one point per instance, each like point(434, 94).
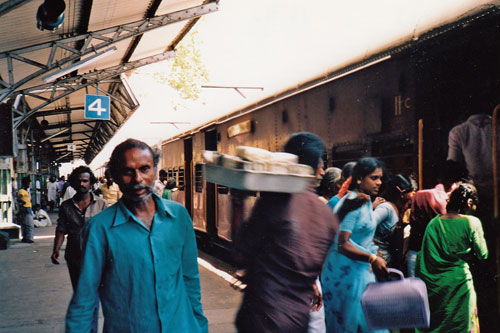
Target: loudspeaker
point(6, 143)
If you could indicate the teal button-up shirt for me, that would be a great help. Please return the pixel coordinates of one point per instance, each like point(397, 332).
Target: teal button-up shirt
point(147, 280)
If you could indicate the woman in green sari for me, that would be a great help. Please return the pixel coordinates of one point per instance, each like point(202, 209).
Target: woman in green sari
point(450, 241)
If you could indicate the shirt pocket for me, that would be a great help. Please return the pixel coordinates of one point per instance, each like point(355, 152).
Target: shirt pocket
point(167, 257)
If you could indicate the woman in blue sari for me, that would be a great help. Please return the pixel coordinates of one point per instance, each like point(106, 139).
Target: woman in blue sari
point(346, 271)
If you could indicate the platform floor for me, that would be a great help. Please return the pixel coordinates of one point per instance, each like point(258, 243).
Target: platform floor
point(34, 293)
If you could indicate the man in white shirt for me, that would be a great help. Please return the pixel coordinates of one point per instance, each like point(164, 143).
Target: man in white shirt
point(52, 192)
point(40, 217)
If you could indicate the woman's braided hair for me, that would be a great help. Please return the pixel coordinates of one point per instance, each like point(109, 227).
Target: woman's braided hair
point(460, 197)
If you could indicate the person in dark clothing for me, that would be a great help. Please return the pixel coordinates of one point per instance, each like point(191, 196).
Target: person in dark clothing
point(73, 214)
point(282, 247)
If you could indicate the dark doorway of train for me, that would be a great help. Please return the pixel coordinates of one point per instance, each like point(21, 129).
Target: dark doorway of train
point(211, 217)
point(188, 165)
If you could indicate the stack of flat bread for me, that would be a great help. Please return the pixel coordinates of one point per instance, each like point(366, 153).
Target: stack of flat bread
point(259, 160)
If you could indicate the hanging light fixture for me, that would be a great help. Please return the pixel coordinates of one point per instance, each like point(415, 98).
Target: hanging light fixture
point(50, 15)
point(44, 122)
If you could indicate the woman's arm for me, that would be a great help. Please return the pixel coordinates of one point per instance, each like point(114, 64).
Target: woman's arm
point(477, 236)
point(349, 250)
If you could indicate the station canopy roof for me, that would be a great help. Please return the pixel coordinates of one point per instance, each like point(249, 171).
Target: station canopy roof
point(45, 74)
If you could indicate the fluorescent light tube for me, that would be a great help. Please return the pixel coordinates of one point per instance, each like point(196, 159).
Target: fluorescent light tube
point(53, 135)
point(77, 65)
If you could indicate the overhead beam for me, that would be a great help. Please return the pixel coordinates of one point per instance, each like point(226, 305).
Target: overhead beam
point(65, 142)
point(69, 124)
point(11, 5)
point(92, 42)
point(73, 84)
point(57, 111)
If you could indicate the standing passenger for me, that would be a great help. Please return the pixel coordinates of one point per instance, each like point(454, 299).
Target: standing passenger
point(52, 192)
point(139, 257)
point(471, 143)
point(329, 184)
point(344, 182)
point(397, 193)
point(25, 214)
point(328, 187)
point(74, 214)
point(426, 204)
point(110, 190)
point(160, 183)
point(346, 271)
point(169, 188)
point(283, 246)
point(450, 241)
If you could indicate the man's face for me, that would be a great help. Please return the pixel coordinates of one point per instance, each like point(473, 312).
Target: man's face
point(109, 178)
point(82, 183)
point(320, 170)
point(137, 174)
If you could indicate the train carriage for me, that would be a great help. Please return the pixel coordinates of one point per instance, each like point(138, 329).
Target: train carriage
point(398, 104)
point(364, 113)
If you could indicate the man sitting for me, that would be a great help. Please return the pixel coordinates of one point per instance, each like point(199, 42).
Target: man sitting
point(40, 217)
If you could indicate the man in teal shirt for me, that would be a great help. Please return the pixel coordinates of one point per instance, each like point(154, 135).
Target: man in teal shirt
point(139, 257)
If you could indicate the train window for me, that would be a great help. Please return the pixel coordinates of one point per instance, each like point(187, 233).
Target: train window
point(170, 173)
point(347, 153)
point(198, 177)
point(181, 179)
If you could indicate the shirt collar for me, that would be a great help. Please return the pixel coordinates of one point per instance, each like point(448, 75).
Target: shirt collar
point(479, 119)
point(123, 214)
point(92, 199)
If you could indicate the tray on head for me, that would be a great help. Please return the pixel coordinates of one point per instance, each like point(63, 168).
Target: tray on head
point(258, 181)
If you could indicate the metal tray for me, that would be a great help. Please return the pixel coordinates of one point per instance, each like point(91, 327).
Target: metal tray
point(258, 181)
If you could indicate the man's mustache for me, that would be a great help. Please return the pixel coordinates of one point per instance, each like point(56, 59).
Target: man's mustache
point(141, 187)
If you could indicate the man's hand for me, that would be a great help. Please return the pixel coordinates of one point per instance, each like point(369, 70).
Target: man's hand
point(238, 281)
point(55, 258)
point(317, 300)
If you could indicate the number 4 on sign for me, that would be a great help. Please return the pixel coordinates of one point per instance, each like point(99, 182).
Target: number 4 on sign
point(95, 106)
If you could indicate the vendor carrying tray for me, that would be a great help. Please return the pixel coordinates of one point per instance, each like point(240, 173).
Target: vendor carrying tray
point(257, 181)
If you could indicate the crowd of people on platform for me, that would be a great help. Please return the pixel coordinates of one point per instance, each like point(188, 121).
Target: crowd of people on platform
point(306, 258)
point(379, 220)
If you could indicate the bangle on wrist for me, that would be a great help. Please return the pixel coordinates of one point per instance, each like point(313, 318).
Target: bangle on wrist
point(372, 259)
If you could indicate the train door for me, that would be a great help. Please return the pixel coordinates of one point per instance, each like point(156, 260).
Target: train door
point(188, 163)
point(211, 144)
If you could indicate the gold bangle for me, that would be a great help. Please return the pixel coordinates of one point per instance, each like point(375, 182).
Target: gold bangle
point(372, 259)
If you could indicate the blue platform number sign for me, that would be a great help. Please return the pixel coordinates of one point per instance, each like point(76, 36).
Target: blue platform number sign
point(97, 107)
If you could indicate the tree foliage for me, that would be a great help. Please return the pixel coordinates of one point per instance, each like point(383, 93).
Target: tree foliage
point(187, 72)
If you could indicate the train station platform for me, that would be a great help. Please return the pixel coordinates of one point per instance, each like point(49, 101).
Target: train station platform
point(34, 293)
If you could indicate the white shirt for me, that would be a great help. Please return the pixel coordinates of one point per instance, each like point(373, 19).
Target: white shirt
point(158, 187)
point(41, 219)
point(68, 194)
point(52, 191)
point(470, 143)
